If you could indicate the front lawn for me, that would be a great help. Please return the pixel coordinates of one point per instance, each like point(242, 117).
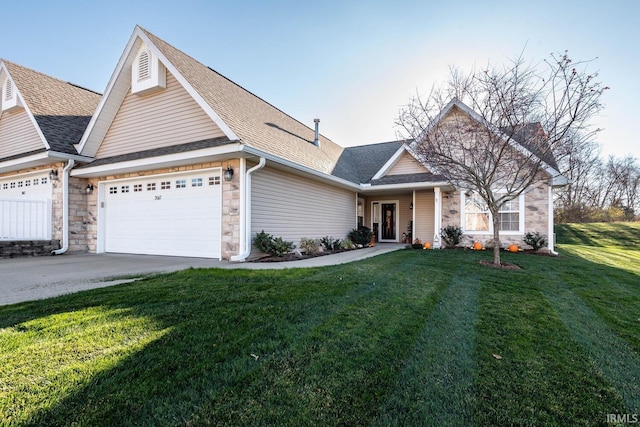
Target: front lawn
point(409, 338)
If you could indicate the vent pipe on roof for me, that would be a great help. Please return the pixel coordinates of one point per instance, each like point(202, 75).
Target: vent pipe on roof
point(316, 141)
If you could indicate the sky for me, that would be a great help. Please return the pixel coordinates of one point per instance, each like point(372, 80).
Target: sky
point(352, 64)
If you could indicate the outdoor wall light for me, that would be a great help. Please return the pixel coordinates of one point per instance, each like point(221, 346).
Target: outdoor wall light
point(228, 173)
point(411, 205)
point(53, 175)
point(89, 189)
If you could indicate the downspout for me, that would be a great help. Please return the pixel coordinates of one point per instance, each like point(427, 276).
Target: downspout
point(551, 239)
point(65, 208)
point(247, 213)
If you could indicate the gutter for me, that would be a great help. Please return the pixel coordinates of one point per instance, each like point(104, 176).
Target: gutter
point(245, 210)
point(65, 208)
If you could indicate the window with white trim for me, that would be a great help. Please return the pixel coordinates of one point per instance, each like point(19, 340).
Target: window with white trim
point(124, 189)
point(137, 188)
point(509, 215)
point(476, 217)
point(151, 186)
point(476, 214)
point(196, 182)
point(214, 180)
point(181, 183)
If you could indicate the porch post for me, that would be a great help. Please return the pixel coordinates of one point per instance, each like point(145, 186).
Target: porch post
point(437, 222)
point(413, 216)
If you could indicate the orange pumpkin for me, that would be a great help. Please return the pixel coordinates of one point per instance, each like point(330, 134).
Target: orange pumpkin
point(477, 246)
point(513, 248)
point(427, 245)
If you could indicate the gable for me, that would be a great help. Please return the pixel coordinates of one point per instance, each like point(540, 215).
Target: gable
point(166, 118)
point(18, 135)
point(406, 164)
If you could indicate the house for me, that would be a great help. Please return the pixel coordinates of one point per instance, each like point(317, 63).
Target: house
point(179, 160)
point(41, 118)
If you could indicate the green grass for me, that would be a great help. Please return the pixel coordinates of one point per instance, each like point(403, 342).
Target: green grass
point(408, 338)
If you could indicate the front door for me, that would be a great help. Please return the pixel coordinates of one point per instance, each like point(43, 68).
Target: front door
point(388, 229)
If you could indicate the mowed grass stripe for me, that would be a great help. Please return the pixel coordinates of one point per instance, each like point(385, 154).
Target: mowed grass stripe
point(345, 366)
point(436, 386)
point(612, 355)
point(530, 370)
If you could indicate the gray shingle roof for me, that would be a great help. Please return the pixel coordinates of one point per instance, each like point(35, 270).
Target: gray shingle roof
point(61, 109)
point(172, 149)
point(408, 179)
point(359, 164)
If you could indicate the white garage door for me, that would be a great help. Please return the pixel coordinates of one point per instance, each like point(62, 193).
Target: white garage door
point(25, 207)
point(177, 214)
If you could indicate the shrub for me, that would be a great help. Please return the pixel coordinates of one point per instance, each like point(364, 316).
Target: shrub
point(330, 244)
point(272, 245)
point(310, 246)
point(347, 244)
point(264, 242)
point(535, 240)
point(451, 235)
point(361, 235)
point(416, 246)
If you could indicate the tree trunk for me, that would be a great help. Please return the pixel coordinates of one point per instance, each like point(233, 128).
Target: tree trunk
point(496, 238)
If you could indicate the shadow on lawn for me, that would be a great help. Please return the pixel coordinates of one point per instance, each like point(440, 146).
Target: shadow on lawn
point(237, 361)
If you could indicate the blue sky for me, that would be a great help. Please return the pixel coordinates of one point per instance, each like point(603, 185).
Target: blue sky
point(353, 64)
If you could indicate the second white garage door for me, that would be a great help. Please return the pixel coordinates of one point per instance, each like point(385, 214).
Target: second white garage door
point(176, 214)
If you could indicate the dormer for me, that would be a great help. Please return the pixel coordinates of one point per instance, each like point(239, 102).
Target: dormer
point(10, 99)
point(148, 74)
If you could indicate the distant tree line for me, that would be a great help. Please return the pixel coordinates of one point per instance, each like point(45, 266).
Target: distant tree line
point(599, 190)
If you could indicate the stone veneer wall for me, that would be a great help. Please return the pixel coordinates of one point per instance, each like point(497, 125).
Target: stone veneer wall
point(536, 218)
point(23, 248)
point(85, 212)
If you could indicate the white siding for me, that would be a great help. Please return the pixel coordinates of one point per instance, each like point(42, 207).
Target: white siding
point(293, 207)
point(169, 117)
point(17, 134)
point(407, 164)
point(425, 215)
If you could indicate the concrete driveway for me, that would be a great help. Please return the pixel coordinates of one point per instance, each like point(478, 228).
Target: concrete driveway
point(27, 279)
point(33, 278)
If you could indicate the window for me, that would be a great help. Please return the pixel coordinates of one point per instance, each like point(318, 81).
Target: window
point(509, 215)
point(477, 219)
point(27, 183)
point(43, 180)
point(137, 188)
point(124, 189)
point(196, 182)
point(113, 190)
point(36, 181)
point(20, 183)
point(13, 185)
point(5, 186)
point(165, 185)
point(214, 180)
point(151, 186)
point(476, 214)
point(181, 183)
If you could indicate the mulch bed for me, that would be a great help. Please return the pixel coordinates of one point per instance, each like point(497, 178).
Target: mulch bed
point(296, 257)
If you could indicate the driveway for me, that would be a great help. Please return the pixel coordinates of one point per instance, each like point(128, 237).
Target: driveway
point(33, 278)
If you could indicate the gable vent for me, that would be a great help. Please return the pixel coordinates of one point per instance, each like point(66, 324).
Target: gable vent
point(144, 71)
point(8, 92)
point(148, 74)
point(10, 99)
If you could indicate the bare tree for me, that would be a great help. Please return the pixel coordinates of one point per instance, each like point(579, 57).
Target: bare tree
point(501, 128)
